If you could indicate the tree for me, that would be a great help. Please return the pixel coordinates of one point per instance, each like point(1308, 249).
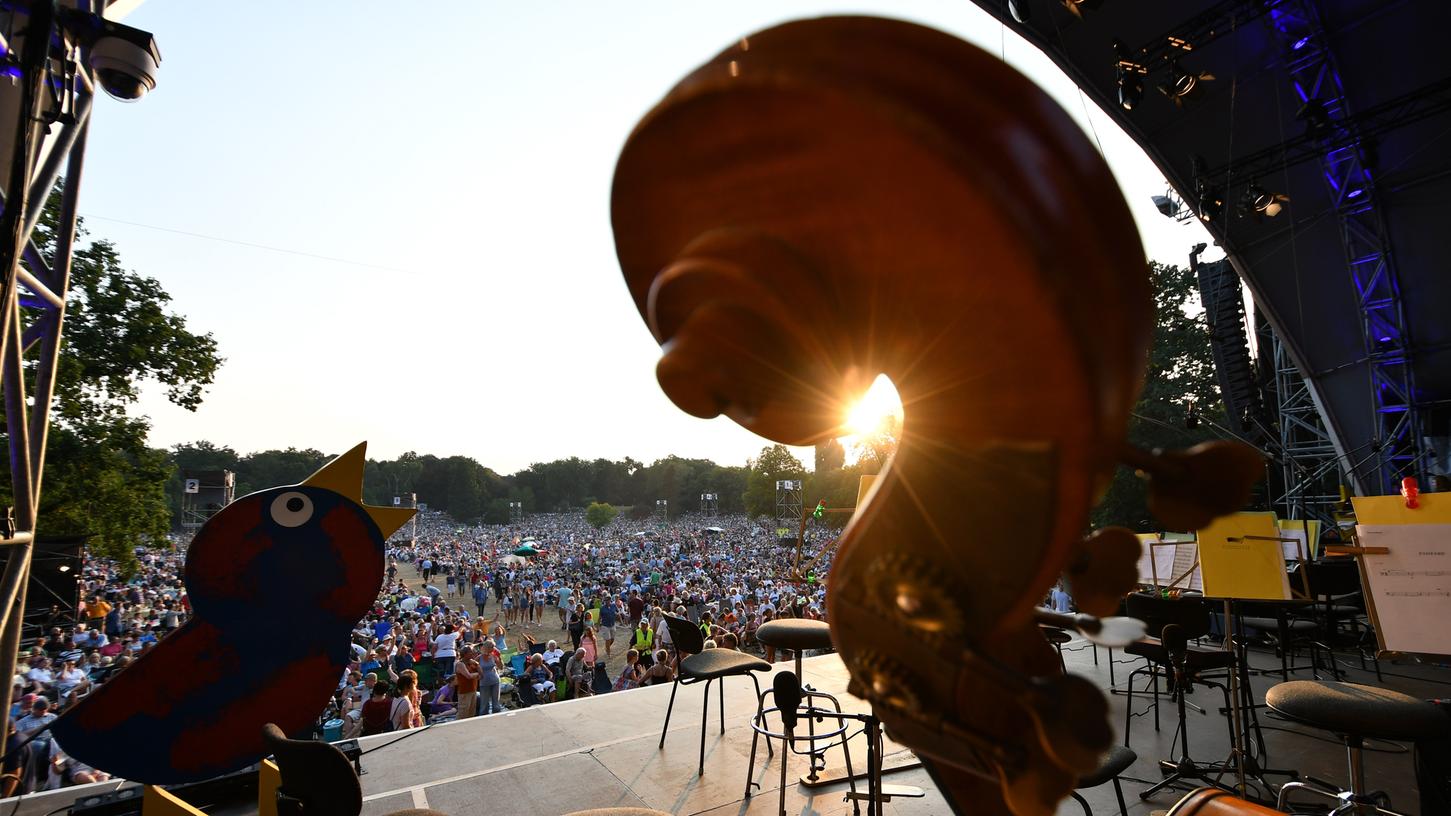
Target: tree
point(1181, 368)
point(101, 479)
point(829, 456)
point(600, 515)
point(875, 449)
point(774, 463)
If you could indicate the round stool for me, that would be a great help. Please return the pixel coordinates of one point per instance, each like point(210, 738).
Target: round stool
point(798, 635)
point(1353, 712)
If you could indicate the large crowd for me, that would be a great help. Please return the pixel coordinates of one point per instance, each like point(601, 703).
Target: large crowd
point(466, 625)
point(463, 626)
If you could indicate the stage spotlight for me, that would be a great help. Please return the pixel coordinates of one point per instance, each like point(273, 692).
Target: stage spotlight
point(1130, 90)
point(1020, 10)
point(1262, 202)
point(1211, 203)
point(1183, 83)
point(1077, 7)
point(1315, 117)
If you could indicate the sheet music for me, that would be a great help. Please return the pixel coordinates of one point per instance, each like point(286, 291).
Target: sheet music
point(1186, 555)
point(1163, 560)
point(1410, 585)
point(1146, 558)
point(1297, 549)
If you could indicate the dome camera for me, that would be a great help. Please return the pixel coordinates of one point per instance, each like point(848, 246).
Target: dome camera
point(125, 60)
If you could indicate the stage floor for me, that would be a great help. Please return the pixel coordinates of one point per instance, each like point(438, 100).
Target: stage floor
point(602, 752)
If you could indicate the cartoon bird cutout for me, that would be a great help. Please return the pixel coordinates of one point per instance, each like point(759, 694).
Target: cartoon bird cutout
point(277, 580)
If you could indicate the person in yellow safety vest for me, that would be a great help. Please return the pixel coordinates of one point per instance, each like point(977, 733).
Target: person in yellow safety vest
point(644, 637)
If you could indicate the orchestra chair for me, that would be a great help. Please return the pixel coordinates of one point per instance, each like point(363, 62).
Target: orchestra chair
point(1354, 712)
point(1119, 758)
point(1282, 621)
point(315, 776)
point(1192, 615)
point(699, 664)
point(1058, 637)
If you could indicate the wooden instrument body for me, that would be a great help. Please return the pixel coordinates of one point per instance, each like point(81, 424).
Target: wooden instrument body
point(837, 198)
point(1216, 802)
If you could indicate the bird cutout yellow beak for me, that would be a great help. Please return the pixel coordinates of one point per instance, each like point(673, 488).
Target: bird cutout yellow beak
point(344, 476)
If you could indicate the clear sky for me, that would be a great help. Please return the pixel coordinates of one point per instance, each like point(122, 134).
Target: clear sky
point(462, 159)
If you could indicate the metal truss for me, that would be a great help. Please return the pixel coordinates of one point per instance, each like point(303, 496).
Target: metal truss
point(1399, 444)
point(709, 504)
point(788, 504)
point(56, 93)
point(1309, 462)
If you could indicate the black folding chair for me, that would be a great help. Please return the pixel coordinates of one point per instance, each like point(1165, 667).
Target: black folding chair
point(700, 664)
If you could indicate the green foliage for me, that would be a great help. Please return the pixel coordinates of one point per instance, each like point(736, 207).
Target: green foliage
point(829, 456)
point(1181, 368)
point(600, 515)
point(100, 477)
point(774, 463)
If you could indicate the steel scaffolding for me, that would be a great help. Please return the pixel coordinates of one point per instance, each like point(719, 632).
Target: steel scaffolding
point(1399, 445)
point(788, 504)
point(54, 96)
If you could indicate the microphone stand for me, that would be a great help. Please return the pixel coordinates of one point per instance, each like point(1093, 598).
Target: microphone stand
point(1184, 767)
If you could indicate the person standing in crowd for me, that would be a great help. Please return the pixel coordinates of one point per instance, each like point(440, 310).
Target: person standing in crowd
point(636, 608)
point(563, 595)
point(445, 648)
point(608, 611)
point(576, 624)
point(643, 641)
point(481, 598)
point(490, 665)
point(467, 673)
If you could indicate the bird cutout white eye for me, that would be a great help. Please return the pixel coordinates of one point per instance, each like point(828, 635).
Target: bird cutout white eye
point(292, 509)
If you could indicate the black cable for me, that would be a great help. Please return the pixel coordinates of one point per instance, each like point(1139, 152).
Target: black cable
point(411, 732)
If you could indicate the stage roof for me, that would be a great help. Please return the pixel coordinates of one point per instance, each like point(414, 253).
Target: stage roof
point(1391, 107)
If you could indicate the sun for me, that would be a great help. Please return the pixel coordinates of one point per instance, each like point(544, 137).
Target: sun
point(874, 410)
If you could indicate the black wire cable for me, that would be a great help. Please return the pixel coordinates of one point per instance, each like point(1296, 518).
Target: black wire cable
point(411, 732)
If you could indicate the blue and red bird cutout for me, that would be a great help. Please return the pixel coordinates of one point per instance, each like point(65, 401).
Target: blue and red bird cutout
point(277, 580)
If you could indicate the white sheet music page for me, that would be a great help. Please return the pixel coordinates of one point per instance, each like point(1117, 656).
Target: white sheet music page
point(1411, 585)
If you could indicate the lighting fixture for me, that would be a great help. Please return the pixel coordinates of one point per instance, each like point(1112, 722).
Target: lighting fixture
point(1129, 77)
point(1262, 202)
point(1130, 90)
point(1315, 116)
point(1211, 204)
point(1077, 7)
point(1168, 205)
point(1183, 83)
point(1020, 10)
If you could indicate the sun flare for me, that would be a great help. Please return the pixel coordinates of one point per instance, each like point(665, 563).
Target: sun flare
point(874, 410)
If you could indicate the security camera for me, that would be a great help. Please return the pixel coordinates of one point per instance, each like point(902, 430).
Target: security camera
point(125, 60)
